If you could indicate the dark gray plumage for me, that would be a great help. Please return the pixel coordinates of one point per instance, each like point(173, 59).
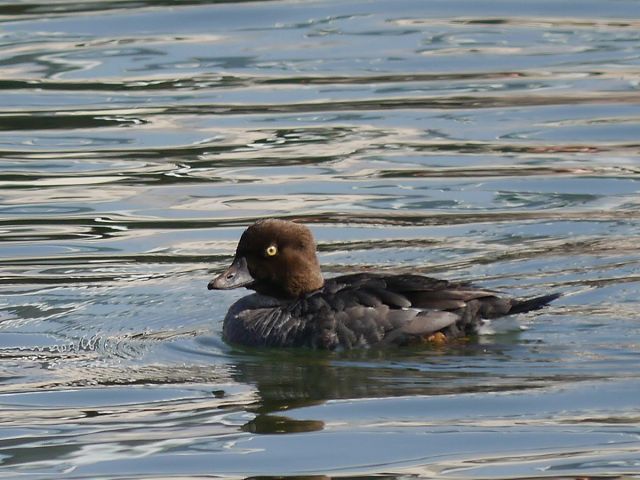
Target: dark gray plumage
point(295, 307)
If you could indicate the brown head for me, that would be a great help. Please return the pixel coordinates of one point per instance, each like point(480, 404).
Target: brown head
point(274, 257)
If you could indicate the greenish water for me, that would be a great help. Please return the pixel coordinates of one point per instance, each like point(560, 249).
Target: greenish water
point(489, 141)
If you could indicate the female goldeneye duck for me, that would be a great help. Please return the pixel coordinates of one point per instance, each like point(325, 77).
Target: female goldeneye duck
point(294, 306)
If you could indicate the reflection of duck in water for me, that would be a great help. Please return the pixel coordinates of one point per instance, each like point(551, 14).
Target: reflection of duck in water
point(288, 381)
point(294, 306)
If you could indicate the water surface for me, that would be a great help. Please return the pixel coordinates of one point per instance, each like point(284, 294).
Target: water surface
point(487, 141)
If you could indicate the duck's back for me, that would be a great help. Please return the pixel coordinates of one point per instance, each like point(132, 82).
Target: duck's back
point(366, 310)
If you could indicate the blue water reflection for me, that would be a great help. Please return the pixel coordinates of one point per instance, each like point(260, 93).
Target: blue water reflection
point(494, 142)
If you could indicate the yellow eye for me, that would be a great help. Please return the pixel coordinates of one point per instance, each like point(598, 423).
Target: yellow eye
point(271, 250)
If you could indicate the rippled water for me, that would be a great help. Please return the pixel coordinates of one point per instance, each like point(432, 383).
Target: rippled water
point(488, 141)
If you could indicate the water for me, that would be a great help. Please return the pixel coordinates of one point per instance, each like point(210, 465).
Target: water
point(488, 141)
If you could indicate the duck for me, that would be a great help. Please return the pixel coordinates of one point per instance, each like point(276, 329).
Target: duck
point(293, 305)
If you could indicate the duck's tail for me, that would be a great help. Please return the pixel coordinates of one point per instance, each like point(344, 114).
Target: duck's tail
point(526, 305)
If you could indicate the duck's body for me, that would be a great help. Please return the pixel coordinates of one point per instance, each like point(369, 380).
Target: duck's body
point(295, 307)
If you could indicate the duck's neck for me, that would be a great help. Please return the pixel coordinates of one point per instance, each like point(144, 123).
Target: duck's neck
point(299, 285)
point(299, 279)
point(294, 287)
